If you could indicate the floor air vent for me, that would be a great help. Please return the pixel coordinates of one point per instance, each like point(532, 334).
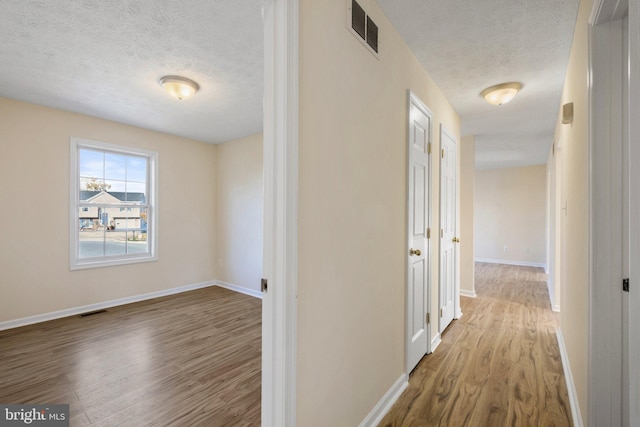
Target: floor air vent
point(363, 26)
point(91, 313)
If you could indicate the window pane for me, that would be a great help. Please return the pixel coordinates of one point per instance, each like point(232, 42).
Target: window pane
point(137, 241)
point(97, 197)
point(137, 169)
point(144, 215)
point(87, 216)
point(90, 239)
point(91, 163)
point(113, 186)
point(115, 166)
point(136, 192)
point(115, 242)
point(136, 180)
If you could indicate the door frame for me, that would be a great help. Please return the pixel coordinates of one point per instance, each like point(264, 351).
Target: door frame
point(413, 100)
point(633, 47)
point(280, 244)
point(605, 349)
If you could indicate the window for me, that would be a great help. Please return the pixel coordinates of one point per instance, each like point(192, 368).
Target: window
point(113, 204)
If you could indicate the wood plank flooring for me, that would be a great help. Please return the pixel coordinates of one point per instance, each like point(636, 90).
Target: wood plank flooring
point(499, 365)
point(191, 359)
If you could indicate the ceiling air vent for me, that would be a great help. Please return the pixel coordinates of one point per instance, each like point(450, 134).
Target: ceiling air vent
point(363, 26)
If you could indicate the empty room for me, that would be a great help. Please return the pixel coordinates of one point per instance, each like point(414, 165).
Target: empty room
point(319, 213)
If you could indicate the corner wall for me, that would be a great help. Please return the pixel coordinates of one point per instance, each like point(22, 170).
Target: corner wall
point(352, 211)
point(239, 212)
point(34, 189)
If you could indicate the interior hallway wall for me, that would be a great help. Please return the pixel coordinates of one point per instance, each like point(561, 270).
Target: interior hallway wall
point(467, 190)
point(574, 208)
point(510, 215)
point(240, 212)
point(352, 211)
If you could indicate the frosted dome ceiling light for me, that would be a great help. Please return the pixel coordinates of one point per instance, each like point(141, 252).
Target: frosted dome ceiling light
point(179, 87)
point(501, 94)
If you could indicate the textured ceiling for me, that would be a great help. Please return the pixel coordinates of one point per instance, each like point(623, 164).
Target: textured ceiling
point(104, 59)
point(469, 45)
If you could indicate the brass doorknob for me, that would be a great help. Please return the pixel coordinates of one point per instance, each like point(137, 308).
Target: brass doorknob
point(415, 252)
point(456, 240)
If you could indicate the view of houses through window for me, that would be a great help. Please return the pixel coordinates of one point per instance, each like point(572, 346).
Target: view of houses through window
point(113, 194)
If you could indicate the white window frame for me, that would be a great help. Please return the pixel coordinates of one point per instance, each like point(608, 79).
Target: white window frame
point(76, 263)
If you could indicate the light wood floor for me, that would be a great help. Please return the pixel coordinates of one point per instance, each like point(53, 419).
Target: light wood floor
point(499, 365)
point(191, 359)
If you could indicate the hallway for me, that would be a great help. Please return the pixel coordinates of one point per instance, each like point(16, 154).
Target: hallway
point(498, 365)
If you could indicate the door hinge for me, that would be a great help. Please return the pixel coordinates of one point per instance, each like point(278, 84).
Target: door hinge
point(443, 153)
point(428, 233)
point(263, 285)
point(428, 318)
point(441, 312)
point(442, 232)
point(625, 285)
point(429, 148)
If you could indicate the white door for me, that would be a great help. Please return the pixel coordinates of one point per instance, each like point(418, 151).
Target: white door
point(448, 213)
point(419, 141)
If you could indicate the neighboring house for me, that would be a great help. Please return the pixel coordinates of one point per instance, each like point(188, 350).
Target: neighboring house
point(105, 214)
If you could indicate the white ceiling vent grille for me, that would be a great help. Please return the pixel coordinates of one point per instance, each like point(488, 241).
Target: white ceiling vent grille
point(363, 27)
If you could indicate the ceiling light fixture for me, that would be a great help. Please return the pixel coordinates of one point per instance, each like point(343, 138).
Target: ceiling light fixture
point(179, 87)
point(501, 94)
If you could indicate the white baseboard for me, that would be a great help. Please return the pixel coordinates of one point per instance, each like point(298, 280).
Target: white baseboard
point(239, 289)
point(568, 376)
point(435, 342)
point(468, 294)
point(382, 407)
point(10, 324)
point(556, 308)
point(509, 262)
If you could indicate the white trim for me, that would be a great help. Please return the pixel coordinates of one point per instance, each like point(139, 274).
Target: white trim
point(568, 377)
point(386, 402)
point(556, 308)
point(509, 262)
point(239, 289)
point(75, 262)
point(435, 342)
point(280, 243)
point(10, 324)
point(468, 294)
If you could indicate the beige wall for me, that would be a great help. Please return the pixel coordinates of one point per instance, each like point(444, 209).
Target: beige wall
point(510, 210)
point(239, 214)
point(34, 180)
point(574, 226)
point(467, 188)
point(352, 211)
